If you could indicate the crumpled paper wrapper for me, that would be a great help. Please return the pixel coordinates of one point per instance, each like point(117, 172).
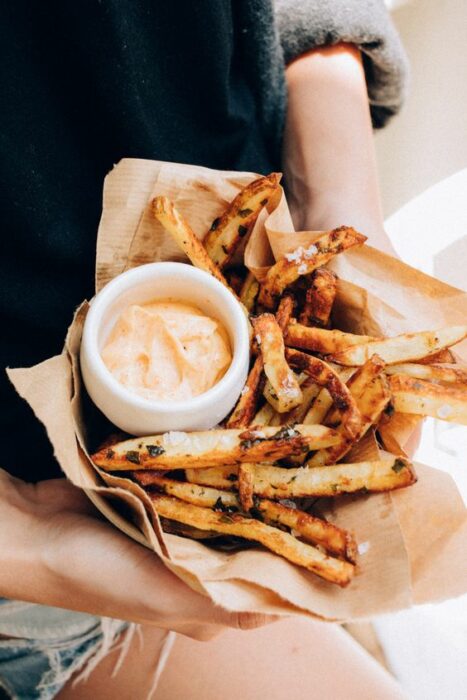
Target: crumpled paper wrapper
point(412, 539)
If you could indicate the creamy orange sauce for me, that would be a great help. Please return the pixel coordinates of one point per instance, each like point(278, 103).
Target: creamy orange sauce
point(167, 351)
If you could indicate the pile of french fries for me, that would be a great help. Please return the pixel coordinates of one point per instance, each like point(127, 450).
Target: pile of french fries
point(313, 394)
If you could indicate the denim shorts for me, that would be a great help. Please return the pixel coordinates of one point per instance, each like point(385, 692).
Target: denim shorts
point(36, 663)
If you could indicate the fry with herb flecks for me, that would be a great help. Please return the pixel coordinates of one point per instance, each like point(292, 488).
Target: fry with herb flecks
point(276, 483)
point(286, 393)
point(319, 298)
point(227, 232)
point(212, 448)
point(302, 261)
point(281, 543)
point(402, 348)
point(325, 376)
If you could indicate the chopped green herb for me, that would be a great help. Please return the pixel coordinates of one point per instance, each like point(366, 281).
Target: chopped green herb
point(389, 410)
point(245, 212)
point(292, 479)
point(109, 454)
point(231, 477)
point(335, 488)
point(132, 456)
point(215, 224)
point(225, 249)
point(285, 433)
point(398, 465)
point(242, 230)
point(155, 450)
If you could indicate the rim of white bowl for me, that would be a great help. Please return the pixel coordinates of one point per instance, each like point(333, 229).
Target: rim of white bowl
point(141, 274)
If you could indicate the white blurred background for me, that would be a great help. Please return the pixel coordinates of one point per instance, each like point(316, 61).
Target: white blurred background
point(422, 158)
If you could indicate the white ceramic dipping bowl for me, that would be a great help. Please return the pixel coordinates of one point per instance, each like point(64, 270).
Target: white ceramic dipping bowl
point(168, 281)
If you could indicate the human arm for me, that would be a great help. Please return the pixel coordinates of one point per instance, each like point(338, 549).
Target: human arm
point(346, 71)
point(328, 151)
point(55, 550)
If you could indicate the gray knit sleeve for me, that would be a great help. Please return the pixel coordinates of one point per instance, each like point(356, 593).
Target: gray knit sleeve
point(306, 24)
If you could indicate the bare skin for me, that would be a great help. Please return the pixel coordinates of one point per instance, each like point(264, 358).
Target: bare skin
point(64, 555)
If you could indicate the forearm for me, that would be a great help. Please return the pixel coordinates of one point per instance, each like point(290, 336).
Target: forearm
point(55, 550)
point(328, 154)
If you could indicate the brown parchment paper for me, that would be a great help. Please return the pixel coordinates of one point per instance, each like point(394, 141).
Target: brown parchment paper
point(414, 539)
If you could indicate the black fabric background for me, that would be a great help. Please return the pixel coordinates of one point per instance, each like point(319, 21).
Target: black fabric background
point(85, 84)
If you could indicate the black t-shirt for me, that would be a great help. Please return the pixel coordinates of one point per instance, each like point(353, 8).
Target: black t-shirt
point(86, 84)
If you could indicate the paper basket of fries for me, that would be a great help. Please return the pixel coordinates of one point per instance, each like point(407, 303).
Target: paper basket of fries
point(350, 349)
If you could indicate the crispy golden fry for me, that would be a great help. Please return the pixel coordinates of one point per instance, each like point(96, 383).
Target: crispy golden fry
point(227, 232)
point(310, 391)
point(358, 383)
point(249, 291)
point(402, 348)
point(334, 539)
point(264, 416)
point(284, 312)
point(282, 543)
point(444, 356)
point(325, 376)
point(321, 340)
point(212, 448)
point(319, 298)
point(286, 393)
point(371, 404)
point(437, 372)
point(203, 496)
point(424, 398)
point(277, 482)
point(302, 261)
point(175, 224)
point(244, 411)
point(225, 477)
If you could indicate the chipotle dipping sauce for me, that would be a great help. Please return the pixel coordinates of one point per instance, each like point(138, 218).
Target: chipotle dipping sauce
point(167, 350)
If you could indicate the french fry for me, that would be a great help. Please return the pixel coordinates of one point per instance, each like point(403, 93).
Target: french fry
point(325, 376)
point(282, 543)
point(244, 411)
point(302, 261)
point(212, 448)
point(171, 219)
point(203, 496)
point(443, 356)
point(225, 477)
point(319, 298)
point(402, 348)
point(284, 312)
point(321, 340)
point(277, 482)
point(249, 291)
point(227, 232)
point(371, 404)
point(423, 398)
point(334, 539)
point(285, 392)
point(438, 372)
point(264, 416)
point(358, 383)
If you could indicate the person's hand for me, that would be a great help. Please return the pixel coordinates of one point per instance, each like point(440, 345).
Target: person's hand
point(56, 550)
